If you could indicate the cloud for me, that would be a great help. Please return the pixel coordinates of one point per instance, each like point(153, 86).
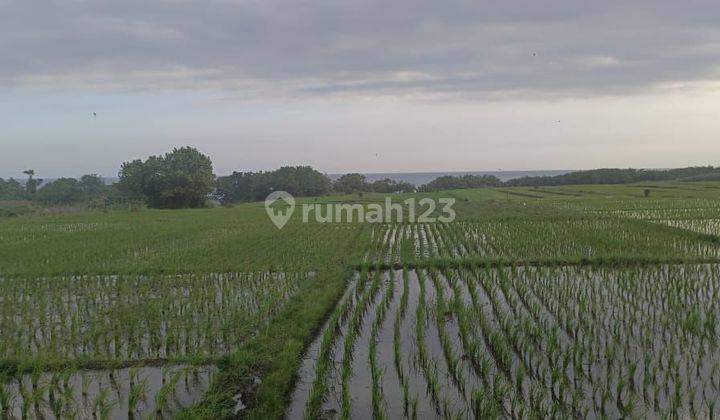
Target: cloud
point(456, 48)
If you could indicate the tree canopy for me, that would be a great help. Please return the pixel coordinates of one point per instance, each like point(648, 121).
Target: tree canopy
point(449, 182)
point(351, 183)
point(389, 186)
point(62, 191)
point(12, 189)
point(618, 176)
point(255, 186)
point(179, 179)
point(355, 183)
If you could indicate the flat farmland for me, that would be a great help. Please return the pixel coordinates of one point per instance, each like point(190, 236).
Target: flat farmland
point(574, 301)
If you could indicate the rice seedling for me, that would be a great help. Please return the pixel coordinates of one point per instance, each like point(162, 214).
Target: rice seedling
point(137, 393)
point(397, 345)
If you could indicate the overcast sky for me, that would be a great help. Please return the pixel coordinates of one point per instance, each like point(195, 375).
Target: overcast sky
point(352, 85)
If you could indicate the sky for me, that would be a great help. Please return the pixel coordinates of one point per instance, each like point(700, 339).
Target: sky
point(353, 85)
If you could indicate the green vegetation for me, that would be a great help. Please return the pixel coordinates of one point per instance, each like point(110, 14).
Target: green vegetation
point(566, 301)
point(448, 182)
point(11, 189)
point(133, 319)
point(355, 183)
point(620, 176)
point(255, 186)
point(180, 179)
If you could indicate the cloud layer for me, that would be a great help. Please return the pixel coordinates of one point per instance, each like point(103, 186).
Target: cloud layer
point(261, 48)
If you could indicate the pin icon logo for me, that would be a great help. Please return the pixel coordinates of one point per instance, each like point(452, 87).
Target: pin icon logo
point(279, 206)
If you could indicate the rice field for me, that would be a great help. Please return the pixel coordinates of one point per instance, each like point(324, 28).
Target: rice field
point(133, 319)
point(538, 240)
point(133, 393)
point(574, 301)
point(519, 342)
point(128, 345)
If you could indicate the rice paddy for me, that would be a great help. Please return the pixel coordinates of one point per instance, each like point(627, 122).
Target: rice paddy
point(537, 240)
point(575, 301)
point(133, 318)
point(519, 342)
point(134, 393)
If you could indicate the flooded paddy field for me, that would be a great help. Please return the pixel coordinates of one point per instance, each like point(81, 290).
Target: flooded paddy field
point(131, 393)
point(574, 304)
point(126, 346)
point(137, 317)
point(518, 342)
point(525, 240)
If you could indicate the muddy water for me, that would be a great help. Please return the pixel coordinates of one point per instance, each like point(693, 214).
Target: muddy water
point(159, 393)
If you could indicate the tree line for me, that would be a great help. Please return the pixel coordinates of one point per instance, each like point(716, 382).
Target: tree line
point(619, 176)
point(183, 178)
point(62, 191)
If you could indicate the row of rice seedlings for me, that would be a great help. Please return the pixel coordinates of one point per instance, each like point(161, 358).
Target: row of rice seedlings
point(398, 349)
point(590, 237)
point(512, 342)
point(558, 358)
point(428, 365)
point(608, 364)
point(703, 226)
point(503, 341)
point(492, 393)
point(131, 393)
point(530, 338)
point(689, 213)
point(442, 311)
point(512, 330)
point(137, 317)
point(378, 403)
point(543, 342)
point(637, 205)
point(29, 229)
point(228, 240)
point(541, 331)
point(624, 365)
point(353, 332)
point(330, 336)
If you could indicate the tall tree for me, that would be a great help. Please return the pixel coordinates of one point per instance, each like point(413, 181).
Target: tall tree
point(181, 178)
point(32, 183)
point(351, 183)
